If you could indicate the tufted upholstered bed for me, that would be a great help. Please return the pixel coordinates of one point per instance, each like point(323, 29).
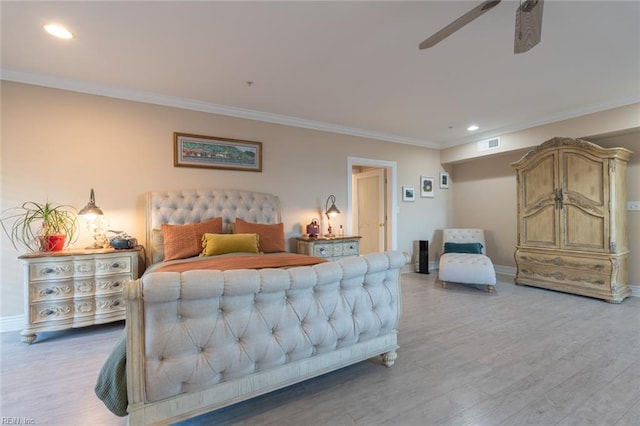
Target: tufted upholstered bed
point(200, 340)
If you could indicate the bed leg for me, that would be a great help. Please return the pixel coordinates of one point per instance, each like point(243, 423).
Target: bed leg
point(489, 289)
point(389, 358)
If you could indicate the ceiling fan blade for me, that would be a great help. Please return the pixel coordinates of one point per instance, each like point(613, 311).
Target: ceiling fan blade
point(458, 23)
point(528, 25)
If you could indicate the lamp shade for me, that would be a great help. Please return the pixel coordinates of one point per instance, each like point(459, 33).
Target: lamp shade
point(91, 208)
point(333, 210)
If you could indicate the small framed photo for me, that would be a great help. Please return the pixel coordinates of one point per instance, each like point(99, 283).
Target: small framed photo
point(444, 180)
point(212, 152)
point(426, 186)
point(408, 193)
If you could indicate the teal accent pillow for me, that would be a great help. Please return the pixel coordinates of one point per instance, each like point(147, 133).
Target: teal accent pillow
point(473, 248)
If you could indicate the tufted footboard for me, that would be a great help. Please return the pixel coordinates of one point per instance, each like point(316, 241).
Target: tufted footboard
point(201, 340)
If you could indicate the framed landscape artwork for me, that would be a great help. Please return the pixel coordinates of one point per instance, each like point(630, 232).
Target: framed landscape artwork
point(216, 153)
point(408, 193)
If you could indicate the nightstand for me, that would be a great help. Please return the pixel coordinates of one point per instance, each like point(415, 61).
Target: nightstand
point(333, 248)
point(76, 288)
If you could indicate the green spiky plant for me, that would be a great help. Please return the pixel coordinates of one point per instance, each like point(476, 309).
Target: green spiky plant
point(31, 224)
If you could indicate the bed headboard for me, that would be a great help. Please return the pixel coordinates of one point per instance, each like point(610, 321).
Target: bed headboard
point(195, 205)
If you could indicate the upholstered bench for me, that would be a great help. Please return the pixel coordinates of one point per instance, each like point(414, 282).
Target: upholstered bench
point(464, 258)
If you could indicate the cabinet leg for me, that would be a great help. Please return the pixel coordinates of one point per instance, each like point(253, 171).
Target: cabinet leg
point(489, 289)
point(443, 284)
point(27, 337)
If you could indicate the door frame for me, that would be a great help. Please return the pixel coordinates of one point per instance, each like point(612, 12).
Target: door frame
point(391, 193)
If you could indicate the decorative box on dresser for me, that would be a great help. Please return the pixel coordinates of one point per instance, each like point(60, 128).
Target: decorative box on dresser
point(572, 223)
point(333, 248)
point(76, 288)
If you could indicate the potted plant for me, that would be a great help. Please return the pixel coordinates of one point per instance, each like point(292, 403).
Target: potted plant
point(41, 226)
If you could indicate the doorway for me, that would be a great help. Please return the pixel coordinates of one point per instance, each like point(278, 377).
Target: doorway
point(371, 205)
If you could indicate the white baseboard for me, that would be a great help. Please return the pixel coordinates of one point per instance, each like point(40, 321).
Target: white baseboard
point(11, 323)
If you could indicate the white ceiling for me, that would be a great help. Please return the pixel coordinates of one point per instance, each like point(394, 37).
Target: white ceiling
point(351, 67)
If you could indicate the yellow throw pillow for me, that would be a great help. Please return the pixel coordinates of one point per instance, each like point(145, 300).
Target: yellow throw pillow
point(213, 244)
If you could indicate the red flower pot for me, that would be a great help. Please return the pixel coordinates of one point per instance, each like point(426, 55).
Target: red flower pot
point(53, 242)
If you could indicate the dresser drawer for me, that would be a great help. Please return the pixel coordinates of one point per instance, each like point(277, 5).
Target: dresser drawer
point(113, 265)
point(109, 304)
point(323, 250)
point(350, 248)
point(111, 284)
point(590, 272)
point(51, 311)
point(57, 290)
point(45, 271)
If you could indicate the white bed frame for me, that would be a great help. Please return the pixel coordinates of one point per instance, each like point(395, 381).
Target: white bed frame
point(377, 274)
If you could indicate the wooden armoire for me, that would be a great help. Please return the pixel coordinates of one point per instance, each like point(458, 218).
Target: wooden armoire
point(572, 219)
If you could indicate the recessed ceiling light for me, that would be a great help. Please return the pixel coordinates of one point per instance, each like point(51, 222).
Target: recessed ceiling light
point(472, 128)
point(58, 31)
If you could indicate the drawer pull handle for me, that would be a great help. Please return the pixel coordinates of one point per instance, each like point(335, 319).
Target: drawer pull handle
point(48, 291)
point(116, 284)
point(116, 303)
point(48, 312)
point(48, 271)
point(115, 265)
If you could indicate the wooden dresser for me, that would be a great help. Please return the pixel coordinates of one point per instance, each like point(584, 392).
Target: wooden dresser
point(572, 223)
point(76, 288)
point(333, 248)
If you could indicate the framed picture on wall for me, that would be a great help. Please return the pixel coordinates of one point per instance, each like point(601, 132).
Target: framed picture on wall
point(444, 180)
point(426, 186)
point(408, 193)
point(216, 153)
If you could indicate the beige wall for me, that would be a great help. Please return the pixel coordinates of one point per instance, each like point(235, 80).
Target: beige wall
point(124, 149)
point(57, 145)
point(485, 197)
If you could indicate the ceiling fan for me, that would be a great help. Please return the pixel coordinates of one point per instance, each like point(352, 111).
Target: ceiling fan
point(528, 24)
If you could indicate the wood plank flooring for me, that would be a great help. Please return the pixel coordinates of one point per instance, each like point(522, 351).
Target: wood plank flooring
point(519, 356)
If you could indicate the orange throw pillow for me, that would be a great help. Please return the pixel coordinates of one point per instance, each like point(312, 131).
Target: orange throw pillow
point(182, 241)
point(271, 236)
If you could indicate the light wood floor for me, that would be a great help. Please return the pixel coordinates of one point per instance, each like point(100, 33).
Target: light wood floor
point(519, 356)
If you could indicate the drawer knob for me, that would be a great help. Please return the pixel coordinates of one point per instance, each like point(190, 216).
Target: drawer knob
point(48, 271)
point(116, 284)
point(115, 265)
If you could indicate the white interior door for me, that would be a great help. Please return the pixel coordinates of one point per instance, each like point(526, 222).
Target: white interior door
point(369, 210)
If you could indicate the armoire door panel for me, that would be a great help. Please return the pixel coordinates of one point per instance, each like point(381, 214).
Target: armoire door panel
point(585, 176)
point(584, 231)
point(539, 228)
point(539, 181)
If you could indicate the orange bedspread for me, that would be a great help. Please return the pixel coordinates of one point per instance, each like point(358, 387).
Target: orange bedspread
point(251, 261)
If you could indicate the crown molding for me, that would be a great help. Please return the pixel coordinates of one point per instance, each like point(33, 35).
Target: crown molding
point(565, 115)
point(195, 105)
